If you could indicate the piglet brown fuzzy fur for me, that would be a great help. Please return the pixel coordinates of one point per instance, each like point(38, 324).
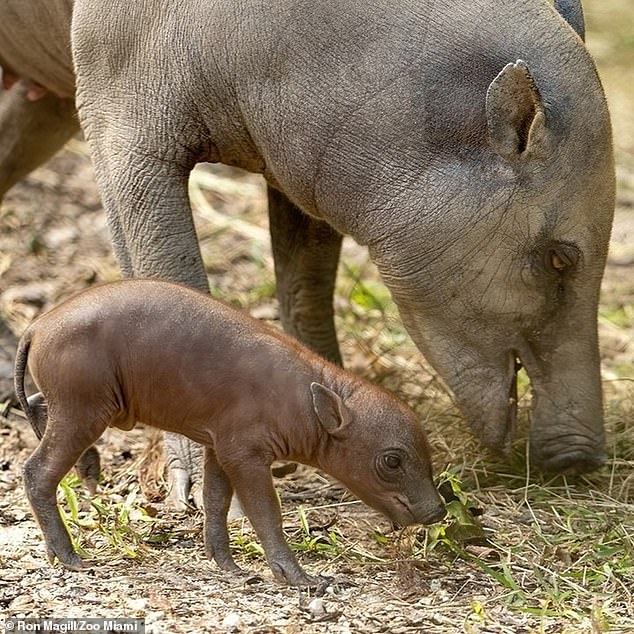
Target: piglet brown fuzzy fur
point(176, 359)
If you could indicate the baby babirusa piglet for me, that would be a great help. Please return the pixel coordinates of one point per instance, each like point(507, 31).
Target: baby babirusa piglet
point(174, 358)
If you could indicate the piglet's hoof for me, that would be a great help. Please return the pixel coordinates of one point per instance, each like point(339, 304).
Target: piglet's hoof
point(228, 565)
point(70, 561)
point(295, 576)
point(218, 550)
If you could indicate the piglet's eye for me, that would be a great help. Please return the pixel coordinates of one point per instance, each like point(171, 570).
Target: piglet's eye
point(392, 461)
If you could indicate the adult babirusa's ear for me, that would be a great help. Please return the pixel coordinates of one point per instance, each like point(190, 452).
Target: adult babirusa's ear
point(330, 409)
point(572, 12)
point(516, 119)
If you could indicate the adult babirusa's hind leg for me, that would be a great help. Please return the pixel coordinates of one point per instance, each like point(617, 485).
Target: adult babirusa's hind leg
point(142, 171)
point(64, 441)
point(217, 492)
point(31, 131)
point(306, 253)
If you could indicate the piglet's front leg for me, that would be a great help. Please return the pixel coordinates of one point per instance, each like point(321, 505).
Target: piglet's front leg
point(254, 487)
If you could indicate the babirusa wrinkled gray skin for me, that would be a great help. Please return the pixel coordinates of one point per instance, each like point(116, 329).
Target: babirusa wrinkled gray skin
point(467, 144)
point(572, 12)
point(173, 358)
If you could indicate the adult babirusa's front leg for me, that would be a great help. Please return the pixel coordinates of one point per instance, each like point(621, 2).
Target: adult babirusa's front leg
point(142, 170)
point(146, 201)
point(306, 253)
point(184, 463)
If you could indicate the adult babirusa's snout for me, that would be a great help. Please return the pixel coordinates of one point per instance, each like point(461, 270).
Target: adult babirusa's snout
point(567, 432)
point(562, 362)
point(577, 458)
point(567, 438)
point(567, 429)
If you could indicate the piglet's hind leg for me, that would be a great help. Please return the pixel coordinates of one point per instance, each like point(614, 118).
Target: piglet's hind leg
point(89, 464)
point(89, 468)
point(63, 443)
point(217, 492)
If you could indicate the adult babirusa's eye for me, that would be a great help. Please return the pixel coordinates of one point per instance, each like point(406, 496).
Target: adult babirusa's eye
point(561, 256)
point(557, 262)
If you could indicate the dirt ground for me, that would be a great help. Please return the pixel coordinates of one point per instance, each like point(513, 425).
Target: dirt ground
point(519, 575)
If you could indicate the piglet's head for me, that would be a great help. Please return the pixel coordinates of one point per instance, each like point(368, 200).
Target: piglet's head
point(375, 446)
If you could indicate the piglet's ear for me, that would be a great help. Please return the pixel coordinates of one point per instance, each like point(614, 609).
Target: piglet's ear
point(515, 114)
point(330, 409)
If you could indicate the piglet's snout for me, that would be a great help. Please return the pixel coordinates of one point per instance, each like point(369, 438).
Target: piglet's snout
point(435, 515)
point(429, 509)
